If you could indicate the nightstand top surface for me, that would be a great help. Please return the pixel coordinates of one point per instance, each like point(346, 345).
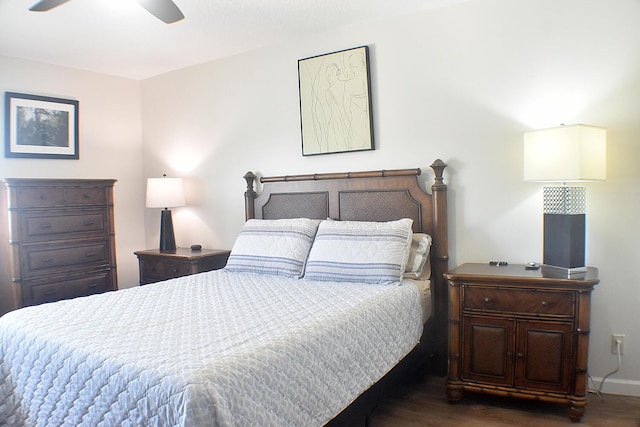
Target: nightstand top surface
point(183, 253)
point(517, 272)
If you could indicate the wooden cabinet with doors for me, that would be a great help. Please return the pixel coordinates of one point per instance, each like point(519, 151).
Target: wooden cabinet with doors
point(514, 332)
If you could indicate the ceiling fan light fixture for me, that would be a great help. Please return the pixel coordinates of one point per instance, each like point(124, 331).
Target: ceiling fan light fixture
point(164, 10)
point(44, 5)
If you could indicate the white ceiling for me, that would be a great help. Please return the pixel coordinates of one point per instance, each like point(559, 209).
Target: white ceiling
point(119, 37)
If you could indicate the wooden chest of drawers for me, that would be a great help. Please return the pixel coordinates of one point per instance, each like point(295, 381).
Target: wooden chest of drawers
point(57, 240)
point(514, 332)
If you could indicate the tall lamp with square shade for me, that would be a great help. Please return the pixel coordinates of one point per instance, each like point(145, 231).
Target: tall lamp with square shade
point(165, 193)
point(572, 153)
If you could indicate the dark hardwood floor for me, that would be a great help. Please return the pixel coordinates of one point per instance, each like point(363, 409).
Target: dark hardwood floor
point(423, 402)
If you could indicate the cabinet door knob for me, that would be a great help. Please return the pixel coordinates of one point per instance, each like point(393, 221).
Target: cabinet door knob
point(544, 303)
point(520, 355)
point(487, 300)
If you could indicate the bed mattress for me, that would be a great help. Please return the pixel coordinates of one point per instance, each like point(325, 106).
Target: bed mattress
point(216, 348)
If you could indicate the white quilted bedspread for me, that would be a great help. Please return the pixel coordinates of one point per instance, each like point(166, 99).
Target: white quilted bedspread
point(217, 348)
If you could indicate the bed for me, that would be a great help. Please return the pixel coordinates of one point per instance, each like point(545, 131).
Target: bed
point(310, 321)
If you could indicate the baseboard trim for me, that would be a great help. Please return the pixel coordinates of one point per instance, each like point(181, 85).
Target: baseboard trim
point(617, 386)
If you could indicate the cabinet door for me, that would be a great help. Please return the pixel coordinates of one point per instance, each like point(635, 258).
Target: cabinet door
point(488, 345)
point(544, 355)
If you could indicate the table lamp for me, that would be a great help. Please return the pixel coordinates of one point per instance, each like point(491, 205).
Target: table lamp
point(165, 193)
point(573, 153)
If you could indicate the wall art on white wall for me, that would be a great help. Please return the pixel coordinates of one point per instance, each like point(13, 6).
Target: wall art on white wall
point(41, 127)
point(335, 102)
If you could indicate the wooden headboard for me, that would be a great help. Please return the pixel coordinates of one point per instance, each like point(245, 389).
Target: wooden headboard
point(367, 196)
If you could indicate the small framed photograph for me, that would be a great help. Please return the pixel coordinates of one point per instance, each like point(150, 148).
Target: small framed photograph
point(41, 127)
point(335, 102)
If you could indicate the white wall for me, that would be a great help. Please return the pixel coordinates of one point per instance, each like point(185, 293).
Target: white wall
point(110, 143)
point(460, 83)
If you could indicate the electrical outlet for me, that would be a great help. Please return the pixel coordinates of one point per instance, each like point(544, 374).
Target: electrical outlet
point(614, 338)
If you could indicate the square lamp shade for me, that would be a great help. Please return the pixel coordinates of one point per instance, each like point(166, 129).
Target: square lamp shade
point(574, 153)
point(165, 193)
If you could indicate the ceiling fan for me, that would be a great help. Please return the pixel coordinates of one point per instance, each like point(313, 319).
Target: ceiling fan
point(164, 10)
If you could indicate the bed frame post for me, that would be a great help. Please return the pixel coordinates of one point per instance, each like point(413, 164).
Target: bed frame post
point(249, 196)
point(440, 265)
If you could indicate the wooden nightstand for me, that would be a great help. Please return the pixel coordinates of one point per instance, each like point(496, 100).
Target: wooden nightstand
point(514, 332)
point(156, 266)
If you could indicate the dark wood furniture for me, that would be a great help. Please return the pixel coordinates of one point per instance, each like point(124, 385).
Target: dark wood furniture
point(57, 240)
point(515, 332)
point(372, 196)
point(156, 266)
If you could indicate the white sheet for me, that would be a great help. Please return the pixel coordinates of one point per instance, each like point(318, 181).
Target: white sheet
point(249, 350)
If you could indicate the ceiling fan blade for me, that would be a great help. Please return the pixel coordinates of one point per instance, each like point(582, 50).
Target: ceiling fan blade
point(164, 10)
point(44, 5)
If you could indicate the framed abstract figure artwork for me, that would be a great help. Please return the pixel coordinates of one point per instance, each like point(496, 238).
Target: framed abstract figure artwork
point(41, 127)
point(335, 102)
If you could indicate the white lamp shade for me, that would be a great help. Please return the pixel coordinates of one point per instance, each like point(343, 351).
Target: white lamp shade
point(165, 192)
point(566, 154)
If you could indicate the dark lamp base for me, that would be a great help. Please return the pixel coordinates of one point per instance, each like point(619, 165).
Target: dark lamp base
point(167, 237)
point(564, 241)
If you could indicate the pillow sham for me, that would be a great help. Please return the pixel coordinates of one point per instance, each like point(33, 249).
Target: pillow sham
point(417, 266)
point(359, 251)
point(276, 247)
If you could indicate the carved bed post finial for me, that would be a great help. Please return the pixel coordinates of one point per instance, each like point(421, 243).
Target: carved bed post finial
point(249, 196)
point(438, 167)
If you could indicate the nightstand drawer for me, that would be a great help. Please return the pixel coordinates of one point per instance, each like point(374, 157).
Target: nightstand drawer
point(530, 301)
point(164, 269)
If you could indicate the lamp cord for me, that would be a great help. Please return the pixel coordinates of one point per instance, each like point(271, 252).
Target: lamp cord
point(598, 391)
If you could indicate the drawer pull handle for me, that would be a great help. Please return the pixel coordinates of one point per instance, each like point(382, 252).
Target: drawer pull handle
point(175, 270)
point(152, 268)
point(544, 304)
point(520, 355)
point(93, 285)
point(47, 260)
point(45, 226)
point(88, 223)
point(87, 196)
point(90, 254)
point(487, 300)
point(43, 196)
point(50, 292)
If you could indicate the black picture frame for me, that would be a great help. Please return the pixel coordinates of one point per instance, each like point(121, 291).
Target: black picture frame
point(41, 127)
point(335, 102)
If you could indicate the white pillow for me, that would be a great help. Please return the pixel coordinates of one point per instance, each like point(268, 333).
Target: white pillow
point(418, 256)
point(358, 251)
point(276, 247)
